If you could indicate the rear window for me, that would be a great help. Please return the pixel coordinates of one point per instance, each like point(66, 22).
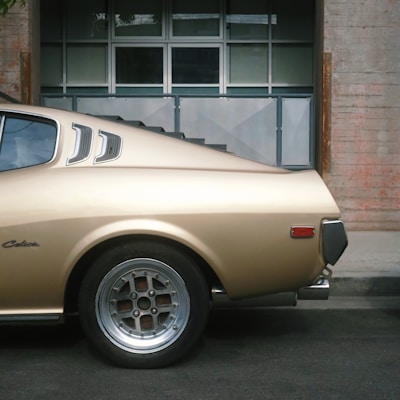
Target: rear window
point(26, 142)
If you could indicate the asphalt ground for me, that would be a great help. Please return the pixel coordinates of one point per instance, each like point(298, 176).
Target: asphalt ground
point(295, 353)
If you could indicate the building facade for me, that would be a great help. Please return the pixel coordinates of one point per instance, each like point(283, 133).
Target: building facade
point(298, 84)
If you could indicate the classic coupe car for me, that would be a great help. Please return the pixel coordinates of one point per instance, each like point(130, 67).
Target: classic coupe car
point(135, 231)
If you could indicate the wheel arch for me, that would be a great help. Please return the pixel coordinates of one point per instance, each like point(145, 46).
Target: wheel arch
point(77, 274)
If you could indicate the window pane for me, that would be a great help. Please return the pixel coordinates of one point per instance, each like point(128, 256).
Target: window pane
point(195, 90)
point(139, 90)
point(50, 20)
point(87, 90)
point(55, 90)
point(293, 19)
point(195, 65)
point(86, 64)
point(292, 64)
point(86, 19)
point(138, 18)
point(293, 90)
point(51, 65)
point(247, 20)
point(248, 63)
point(141, 65)
point(247, 90)
point(195, 18)
point(26, 143)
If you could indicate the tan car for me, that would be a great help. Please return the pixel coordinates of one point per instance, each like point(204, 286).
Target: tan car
point(135, 231)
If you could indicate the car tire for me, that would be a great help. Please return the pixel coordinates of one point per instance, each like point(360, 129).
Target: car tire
point(143, 304)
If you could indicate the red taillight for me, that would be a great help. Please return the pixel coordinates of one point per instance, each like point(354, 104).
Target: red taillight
point(302, 231)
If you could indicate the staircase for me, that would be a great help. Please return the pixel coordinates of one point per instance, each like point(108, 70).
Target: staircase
point(161, 130)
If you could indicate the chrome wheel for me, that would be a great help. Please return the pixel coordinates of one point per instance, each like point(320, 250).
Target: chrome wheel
point(142, 305)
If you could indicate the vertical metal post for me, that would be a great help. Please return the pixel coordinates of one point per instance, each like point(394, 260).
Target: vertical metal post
point(279, 131)
point(75, 102)
point(177, 113)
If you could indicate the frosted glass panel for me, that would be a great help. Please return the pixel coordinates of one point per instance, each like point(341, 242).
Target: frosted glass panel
point(64, 103)
point(292, 64)
point(295, 131)
point(248, 63)
point(200, 18)
point(246, 126)
point(138, 18)
point(86, 64)
point(51, 65)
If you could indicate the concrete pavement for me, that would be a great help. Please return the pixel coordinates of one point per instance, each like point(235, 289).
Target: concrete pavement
point(370, 265)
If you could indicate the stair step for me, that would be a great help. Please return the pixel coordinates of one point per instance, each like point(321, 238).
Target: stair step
point(176, 135)
point(110, 117)
point(196, 140)
point(221, 147)
point(157, 129)
point(134, 123)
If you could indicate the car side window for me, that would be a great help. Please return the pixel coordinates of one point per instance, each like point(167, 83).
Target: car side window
point(26, 142)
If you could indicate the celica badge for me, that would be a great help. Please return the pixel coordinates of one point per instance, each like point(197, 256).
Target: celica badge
point(15, 243)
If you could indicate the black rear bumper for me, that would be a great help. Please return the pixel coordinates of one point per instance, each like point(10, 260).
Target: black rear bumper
point(334, 240)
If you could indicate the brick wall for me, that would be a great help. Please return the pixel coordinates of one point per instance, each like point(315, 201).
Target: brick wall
point(363, 174)
point(18, 53)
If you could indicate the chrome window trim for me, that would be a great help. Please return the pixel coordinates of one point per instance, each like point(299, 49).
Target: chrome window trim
point(2, 119)
point(34, 115)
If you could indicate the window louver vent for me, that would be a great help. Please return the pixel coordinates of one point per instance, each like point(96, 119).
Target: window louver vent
point(83, 144)
point(111, 148)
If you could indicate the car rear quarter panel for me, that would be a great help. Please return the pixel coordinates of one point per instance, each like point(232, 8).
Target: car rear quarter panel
point(239, 223)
